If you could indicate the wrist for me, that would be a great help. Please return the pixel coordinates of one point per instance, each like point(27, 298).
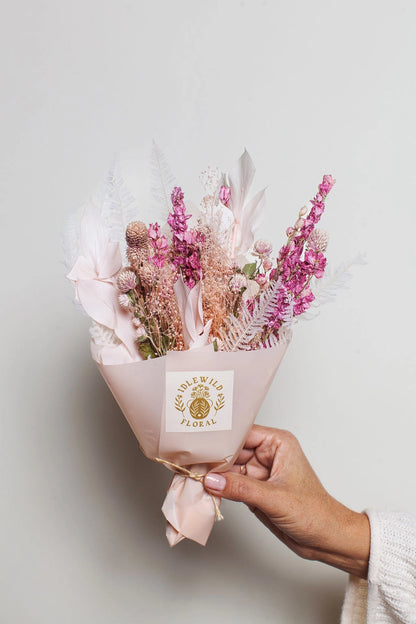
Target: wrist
point(346, 544)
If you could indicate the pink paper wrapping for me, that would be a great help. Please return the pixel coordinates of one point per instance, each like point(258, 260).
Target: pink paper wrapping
point(139, 389)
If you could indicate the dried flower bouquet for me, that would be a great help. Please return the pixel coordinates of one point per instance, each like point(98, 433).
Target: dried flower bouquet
point(189, 329)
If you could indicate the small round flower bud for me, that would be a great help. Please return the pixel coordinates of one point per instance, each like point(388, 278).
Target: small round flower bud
point(237, 282)
point(289, 232)
point(261, 279)
point(126, 280)
point(299, 224)
point(303, 211)
point(263, 247)
point(317, 240)
point(136, 234)
point(140, 331)
point(267, 264)
point(124, 301)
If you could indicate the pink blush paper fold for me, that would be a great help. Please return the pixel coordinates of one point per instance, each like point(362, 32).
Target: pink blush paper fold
point(194, 409)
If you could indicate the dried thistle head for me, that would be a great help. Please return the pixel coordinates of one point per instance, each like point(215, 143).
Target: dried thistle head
point(136, 234)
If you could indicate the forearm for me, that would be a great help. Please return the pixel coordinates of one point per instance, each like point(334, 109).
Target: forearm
point(346, 543)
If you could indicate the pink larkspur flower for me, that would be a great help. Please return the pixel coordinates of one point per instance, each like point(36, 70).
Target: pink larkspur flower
point(326, 184)
point(186, 243)
point(159, 243)
point(315, 262)
point(225, 195)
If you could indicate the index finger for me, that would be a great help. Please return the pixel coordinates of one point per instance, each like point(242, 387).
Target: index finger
point(257, 435)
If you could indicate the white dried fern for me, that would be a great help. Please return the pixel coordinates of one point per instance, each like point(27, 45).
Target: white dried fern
point(240, 331)
point(162, 183)
point(327, 288)
point(117, 205)
point(103, 336)
point(71, 237)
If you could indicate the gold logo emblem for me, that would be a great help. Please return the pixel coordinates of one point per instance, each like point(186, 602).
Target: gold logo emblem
point(194, 401)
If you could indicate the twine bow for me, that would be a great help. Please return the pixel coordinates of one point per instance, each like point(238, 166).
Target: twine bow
point(196, 476)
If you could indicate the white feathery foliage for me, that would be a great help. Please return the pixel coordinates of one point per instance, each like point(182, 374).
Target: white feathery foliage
point(71, 236)
point(103, 336)
point(162, 184)
point(327, 288)
point(117, 205)
point(240, 331)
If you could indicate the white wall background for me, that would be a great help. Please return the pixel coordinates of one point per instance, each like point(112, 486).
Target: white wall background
point(308, 88)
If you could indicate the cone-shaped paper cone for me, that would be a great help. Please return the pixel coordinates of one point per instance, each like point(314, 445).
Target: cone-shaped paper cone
point(191, 408)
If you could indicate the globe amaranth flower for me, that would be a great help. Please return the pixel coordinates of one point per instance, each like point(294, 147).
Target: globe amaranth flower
point(262, 247)
point(124, 301)
point(126, 280)
point(318, 240)
point(237, 282)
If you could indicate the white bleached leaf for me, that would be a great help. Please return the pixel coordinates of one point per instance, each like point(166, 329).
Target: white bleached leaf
point(251, 219)
point(240, 179)
point(247, 215)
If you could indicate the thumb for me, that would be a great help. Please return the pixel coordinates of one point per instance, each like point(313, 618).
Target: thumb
point(237, 488)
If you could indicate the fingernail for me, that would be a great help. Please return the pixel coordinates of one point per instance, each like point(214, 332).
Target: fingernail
point(214, 481)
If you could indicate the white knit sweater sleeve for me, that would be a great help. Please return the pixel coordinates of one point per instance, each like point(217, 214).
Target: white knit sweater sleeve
point(389, 595)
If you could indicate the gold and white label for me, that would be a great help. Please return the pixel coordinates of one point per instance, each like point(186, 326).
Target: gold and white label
point(199, 401)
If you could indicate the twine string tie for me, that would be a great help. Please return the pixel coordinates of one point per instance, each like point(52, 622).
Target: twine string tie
point(195, 476)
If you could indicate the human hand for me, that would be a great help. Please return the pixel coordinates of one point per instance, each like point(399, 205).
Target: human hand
point(274, 478)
